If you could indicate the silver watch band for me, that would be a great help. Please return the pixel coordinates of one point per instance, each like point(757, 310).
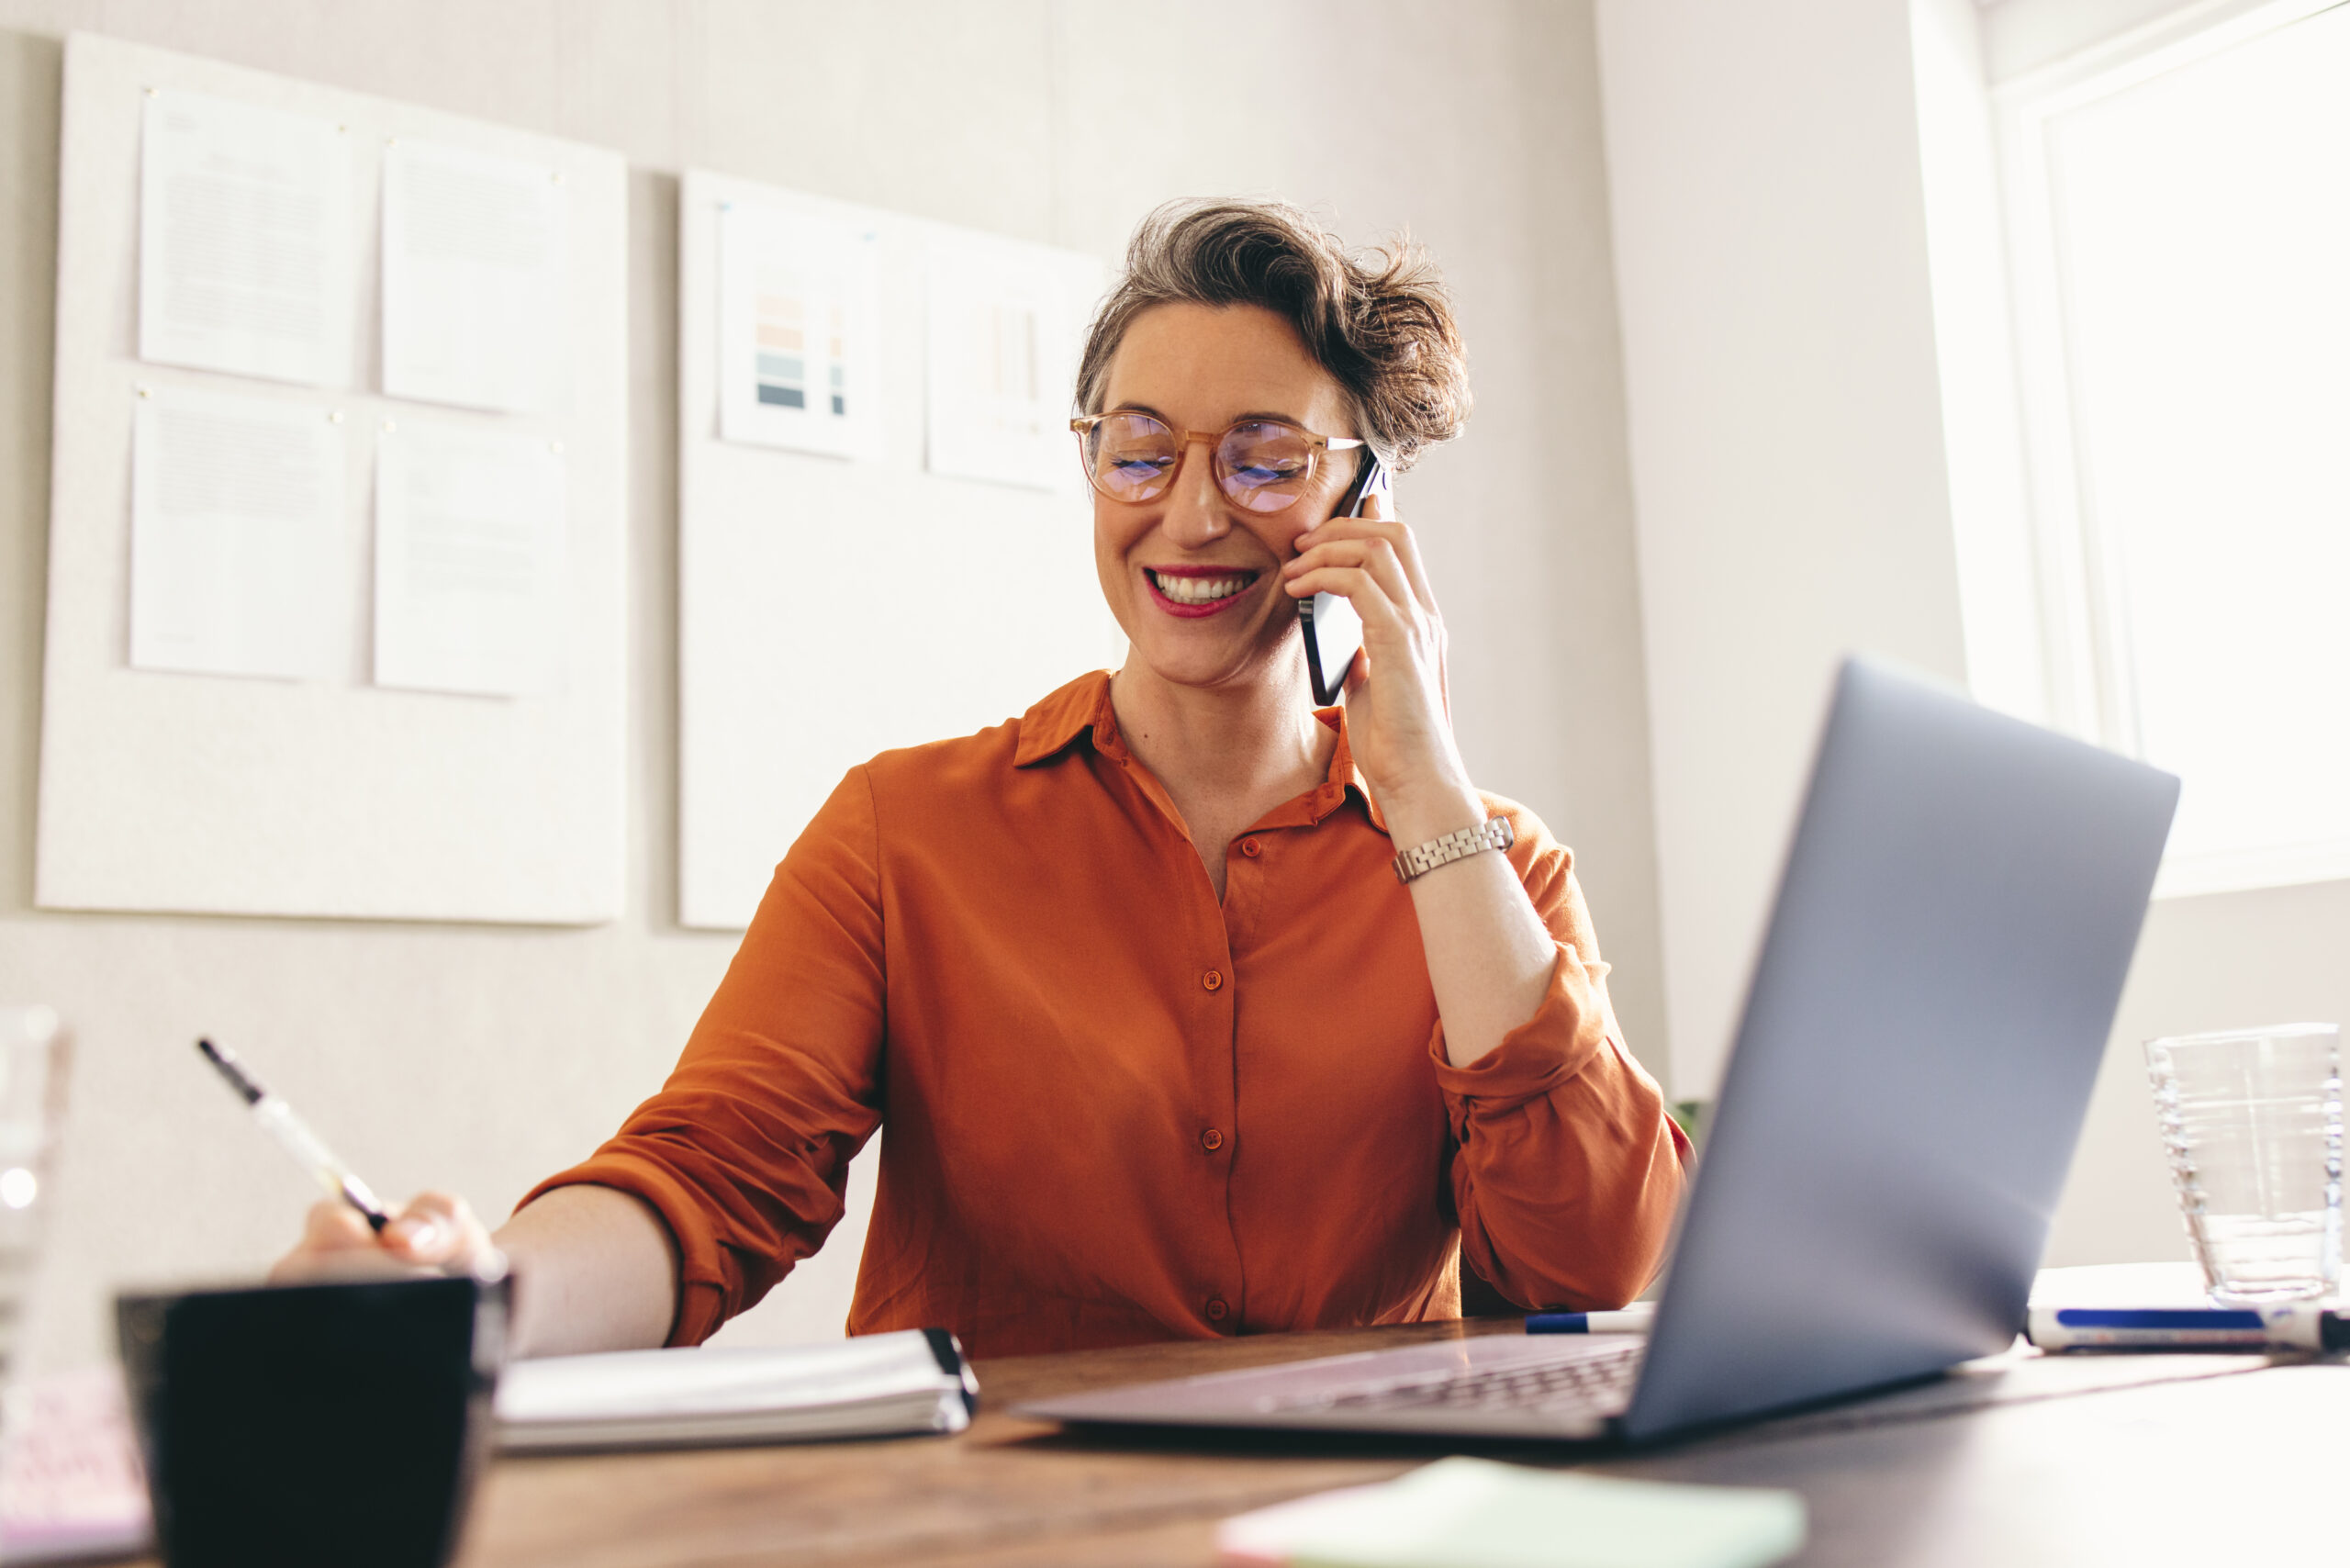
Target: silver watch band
point(1493, 833)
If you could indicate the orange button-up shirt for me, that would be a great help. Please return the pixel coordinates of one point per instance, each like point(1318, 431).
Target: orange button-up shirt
point(1119, 1111)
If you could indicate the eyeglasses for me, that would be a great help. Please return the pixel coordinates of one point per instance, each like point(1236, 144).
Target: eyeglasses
point(1263, 466)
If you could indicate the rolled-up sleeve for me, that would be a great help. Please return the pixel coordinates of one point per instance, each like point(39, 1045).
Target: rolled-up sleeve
point(744, 1152)
point(1566, 1171)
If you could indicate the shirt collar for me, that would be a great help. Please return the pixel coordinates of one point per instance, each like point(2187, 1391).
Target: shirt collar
point(1046, 730)
point(1083, 708)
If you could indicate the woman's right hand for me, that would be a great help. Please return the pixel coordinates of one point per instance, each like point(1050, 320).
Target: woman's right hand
point(433, 1233)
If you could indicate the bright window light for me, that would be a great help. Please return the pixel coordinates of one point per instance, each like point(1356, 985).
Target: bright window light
point(2197, 221)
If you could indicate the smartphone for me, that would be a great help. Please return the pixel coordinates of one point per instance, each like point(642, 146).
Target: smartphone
point(1333, 631)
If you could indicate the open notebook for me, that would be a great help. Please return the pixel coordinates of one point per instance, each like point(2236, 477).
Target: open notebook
point(916, 1381)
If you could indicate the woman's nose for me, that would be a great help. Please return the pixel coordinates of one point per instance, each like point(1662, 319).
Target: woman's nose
point(1196, 508)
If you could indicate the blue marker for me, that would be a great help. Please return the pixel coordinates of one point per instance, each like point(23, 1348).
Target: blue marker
point(1633, 1319)
point(2293, 1326)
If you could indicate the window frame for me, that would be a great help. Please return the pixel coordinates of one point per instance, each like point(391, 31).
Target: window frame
point(2088, 670)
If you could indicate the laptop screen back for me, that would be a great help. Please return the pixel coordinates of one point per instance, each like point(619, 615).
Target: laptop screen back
point(1927, 1016)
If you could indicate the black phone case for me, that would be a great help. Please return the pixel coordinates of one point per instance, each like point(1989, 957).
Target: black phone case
point(1328, 623)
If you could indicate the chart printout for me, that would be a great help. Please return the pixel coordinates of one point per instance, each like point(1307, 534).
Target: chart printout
point(1005, 323)
point(799, 321)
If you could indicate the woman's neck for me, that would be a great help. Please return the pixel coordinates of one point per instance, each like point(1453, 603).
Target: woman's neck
point(1227, 754)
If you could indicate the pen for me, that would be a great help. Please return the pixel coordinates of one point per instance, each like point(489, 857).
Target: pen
point(2293, 1326)
point(1633, 1319)
point(277, 1119)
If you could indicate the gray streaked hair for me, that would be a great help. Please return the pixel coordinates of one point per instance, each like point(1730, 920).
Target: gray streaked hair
point(1380, 321)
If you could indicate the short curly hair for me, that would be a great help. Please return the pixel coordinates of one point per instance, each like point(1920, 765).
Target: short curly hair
point(1380, 321)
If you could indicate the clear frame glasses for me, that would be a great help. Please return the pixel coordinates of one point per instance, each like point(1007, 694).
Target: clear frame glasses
point(1262, 465)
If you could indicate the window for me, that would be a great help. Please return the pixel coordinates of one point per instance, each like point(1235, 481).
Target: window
point(2179, 220)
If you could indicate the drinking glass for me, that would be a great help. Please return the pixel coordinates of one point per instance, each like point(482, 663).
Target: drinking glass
point(2252, 1121)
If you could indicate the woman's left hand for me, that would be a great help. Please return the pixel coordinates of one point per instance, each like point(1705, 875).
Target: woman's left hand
point(1398, 713)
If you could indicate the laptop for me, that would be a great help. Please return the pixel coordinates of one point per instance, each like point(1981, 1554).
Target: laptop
point(1925, 1022)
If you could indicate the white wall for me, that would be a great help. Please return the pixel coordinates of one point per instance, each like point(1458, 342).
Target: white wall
point(2210, 962)
point(1786, 432)
point(481, 1058)
point(2020, 35)
point(1792, 450)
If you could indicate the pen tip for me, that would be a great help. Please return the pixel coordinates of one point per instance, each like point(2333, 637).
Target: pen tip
point(232, 1071)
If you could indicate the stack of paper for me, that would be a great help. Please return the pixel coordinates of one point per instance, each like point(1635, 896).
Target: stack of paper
point(911, 1381)
point(71, 1487)
point(1471, 1513)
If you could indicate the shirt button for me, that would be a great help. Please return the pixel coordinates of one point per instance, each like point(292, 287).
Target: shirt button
point(1251, 848)
point(1213, 980)
point(1211, 1140)
point(1216, 1309)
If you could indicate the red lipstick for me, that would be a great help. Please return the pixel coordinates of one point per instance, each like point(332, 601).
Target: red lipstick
point(1150, 576)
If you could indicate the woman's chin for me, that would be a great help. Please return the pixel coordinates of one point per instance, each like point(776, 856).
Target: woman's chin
point(1187, 662)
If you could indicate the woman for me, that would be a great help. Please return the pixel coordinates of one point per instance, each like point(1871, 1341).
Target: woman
point(1164, 1046)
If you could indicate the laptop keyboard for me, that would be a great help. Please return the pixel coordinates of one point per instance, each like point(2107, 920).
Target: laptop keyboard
point(1600, 1379)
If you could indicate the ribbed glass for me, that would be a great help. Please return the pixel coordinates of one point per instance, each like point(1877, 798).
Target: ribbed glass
point(2252, 1121)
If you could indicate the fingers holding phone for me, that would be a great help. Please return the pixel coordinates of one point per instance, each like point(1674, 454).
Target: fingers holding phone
point(1378, 546)
point(1329, 625)
point(1397, 704)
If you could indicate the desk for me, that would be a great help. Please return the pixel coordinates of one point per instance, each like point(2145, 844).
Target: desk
point(2149, 1459)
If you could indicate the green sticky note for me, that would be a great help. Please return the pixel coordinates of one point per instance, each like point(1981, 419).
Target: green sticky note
point(1472, 1512)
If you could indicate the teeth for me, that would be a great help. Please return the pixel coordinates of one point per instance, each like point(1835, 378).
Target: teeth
point(1199, 591)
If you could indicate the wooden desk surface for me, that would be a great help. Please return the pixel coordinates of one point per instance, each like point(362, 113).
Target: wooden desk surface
point(2145, 1460)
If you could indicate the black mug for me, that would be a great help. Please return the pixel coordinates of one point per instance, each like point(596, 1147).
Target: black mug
point(297, 1426)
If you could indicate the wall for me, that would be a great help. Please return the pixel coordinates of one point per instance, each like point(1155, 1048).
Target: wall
point(1785, 428)
point(2215, 961)
point(2020, 35)
point(1791, 455)
point(478, 1059)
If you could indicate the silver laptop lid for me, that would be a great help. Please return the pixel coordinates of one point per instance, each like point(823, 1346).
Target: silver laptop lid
point(1926, 1020)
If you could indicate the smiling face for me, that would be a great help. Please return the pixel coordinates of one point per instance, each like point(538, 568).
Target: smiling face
point(1194, 578)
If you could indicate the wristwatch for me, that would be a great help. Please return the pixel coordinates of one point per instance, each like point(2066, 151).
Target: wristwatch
point(1493, 833)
